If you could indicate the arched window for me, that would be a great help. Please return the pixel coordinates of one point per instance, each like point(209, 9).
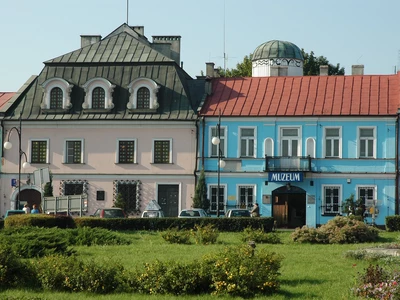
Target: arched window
point(56, 98)
point(143, 98)
point(98, 97)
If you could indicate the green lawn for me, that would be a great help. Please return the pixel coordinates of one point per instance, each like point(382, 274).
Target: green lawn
point(308, 271)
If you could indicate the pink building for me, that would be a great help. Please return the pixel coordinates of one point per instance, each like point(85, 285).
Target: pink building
point(115, 117)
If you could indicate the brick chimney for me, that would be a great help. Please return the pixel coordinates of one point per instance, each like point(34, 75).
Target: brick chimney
point(87, 40)
point(357, 70)
point(323, 70)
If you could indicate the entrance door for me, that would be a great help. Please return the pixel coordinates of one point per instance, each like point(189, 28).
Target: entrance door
point(289, 207)
point(31, 197)
point(168, 198)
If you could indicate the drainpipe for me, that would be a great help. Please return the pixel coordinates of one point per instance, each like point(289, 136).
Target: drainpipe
point(396, 199)
point(202, 144)
point(196, 147)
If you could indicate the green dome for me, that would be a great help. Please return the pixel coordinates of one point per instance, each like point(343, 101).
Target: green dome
point(277, 49)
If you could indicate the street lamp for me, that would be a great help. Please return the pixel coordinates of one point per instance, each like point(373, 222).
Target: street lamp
point(8, 146)
point(216, 140)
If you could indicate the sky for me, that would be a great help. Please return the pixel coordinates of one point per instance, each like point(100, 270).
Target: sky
point(348, 32)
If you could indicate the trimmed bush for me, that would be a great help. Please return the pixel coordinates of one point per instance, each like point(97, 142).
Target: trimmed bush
point(87, 236)
point(392, 223)
point(39, 220)
point(205, 235)
point(176, 236)
point(339, 230)
point(260, 236)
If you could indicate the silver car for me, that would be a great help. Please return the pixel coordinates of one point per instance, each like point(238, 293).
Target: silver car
point(193, 213)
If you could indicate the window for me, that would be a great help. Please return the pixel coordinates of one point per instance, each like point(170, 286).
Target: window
point(332, 200)
point(367, 195)
point(56, 98)
point(73, 189)
point(143, 95)
point(213, 198)
point(246, 196)
point(162, 151)
point(269, 147)
point(367, 142)
point(57, 95)
point(143, 98)
point(290, 142)
point(214, 148)
point(126, 151)
point(98, 98)
point(39, 154)
point(98, 95)
point(332, 142)
point(247, 142)
point(74, 152)
point(127, 193)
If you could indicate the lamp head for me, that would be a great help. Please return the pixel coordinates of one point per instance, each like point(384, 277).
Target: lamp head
point(222, 163)
point(7, 145)
point(26, 165)
point(215, 140)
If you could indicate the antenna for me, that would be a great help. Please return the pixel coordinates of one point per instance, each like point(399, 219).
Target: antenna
point(398, 60)
point(127, 11)
point(224, 41)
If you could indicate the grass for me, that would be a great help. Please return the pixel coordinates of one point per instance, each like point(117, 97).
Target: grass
point(308, 271)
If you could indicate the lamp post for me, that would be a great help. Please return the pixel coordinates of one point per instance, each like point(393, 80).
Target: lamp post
point(216, 140)
point(8, 145)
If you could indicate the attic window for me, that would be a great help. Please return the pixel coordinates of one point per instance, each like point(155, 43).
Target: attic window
point(98, 95)
point(143, 96)
point(57, 95)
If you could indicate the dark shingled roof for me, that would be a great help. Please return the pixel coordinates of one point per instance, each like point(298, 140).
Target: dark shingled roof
point(121, 57)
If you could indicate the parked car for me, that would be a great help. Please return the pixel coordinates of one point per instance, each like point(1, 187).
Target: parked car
point(60, 213)
point(152, 214)
point(193, 213)
point(11, 212)
point(109, 213)
point(237, 212)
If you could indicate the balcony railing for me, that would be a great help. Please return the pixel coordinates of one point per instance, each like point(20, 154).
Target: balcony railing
point(288, 163)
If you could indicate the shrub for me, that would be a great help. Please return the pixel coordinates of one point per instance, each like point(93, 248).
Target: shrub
point(87, 236)
point(260, 236)
point(244, 272)
point(339, 230)
point(39, 220)
point(176, 236)
point(205, 235)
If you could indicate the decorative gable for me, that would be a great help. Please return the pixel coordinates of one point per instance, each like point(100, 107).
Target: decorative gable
point(56, 96)
point(143, 96)
point(98, 95)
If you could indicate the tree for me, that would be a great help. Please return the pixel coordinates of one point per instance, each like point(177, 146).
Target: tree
point(120, 202)
point(48, 188)
point(243, 69)
point(200, 195)
point(312, 63)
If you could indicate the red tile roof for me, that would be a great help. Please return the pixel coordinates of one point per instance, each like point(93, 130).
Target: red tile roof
point(358, 95)
point(4, 97)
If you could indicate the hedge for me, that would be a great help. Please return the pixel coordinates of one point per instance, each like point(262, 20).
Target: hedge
point(222, 224)
point(392, 223)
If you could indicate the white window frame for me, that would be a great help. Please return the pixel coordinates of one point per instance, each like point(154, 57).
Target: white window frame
point(209, 191)
point(93, 83)
point(367, 186)
point(222, 141)
point(269, 147)
point(339, 138)
point(135, 150)
point(135, 85)
point(324, 204)
point(367, 139)
point(310, 147)
point(47, 150)
point(254, 138)
point(170, 149)
point(298, 138)
point(65, 87)
point(65, 156)
point(238, 187)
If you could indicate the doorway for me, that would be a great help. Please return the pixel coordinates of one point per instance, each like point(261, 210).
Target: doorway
point(31, 197)
point(168, 198)
point(289, 207)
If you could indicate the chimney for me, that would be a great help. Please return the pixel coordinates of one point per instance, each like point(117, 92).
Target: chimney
point(138, 29)
point(323, 70)
point(87, 40)
point(210, 69)
point(174, 42)
point(357, 70)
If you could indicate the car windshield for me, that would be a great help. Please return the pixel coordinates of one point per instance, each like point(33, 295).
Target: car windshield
point(113, 213)
point(190, 213)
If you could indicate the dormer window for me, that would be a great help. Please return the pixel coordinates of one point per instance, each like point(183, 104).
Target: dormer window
point(143, 96)
point(98, 95)
point(57, 95)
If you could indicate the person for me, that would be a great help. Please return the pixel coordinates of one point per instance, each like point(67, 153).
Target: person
point(26, 209)
point(255, 212)
point(35, 210)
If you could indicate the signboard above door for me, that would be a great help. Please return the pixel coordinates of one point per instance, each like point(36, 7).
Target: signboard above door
point(285, 176)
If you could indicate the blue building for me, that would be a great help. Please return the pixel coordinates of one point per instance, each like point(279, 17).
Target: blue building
point(298, 145)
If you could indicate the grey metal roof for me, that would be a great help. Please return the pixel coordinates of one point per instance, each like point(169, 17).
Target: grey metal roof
point(277, 49)
point(120, 58)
